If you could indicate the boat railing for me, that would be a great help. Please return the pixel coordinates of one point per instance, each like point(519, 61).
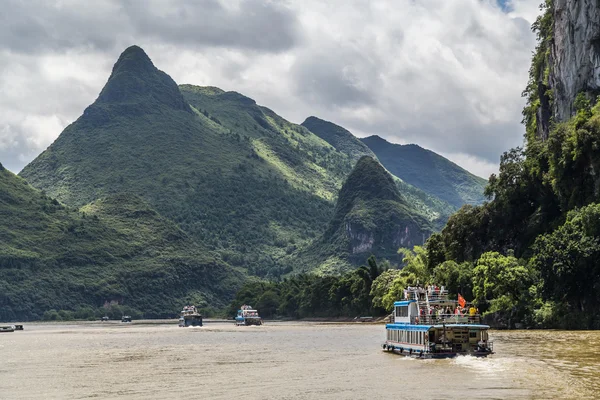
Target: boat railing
point(438, 295)
point(422, 294)
point(436, 319)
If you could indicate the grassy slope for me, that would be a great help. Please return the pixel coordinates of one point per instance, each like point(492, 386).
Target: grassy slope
point(116, 249)
point(371, 217)
point(429, 172)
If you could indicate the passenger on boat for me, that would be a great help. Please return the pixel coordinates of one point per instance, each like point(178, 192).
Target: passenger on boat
point(472, 311)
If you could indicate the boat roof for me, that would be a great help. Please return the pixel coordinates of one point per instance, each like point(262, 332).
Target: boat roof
point(404, 302)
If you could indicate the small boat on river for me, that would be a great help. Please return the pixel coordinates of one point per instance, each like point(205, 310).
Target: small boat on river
point(190, 317)
point(7, 328)
point(247, 316)
point(427, 324)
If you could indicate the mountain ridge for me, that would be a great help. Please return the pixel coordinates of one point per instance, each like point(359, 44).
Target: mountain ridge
point(428, 171)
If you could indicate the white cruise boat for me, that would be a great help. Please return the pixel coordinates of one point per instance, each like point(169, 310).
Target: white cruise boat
point(426, 324)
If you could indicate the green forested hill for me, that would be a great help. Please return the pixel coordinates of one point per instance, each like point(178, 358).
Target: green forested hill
point(116, 250)
point(233, 178)
point(233, 175)
point(371, 217)
point(429, 172)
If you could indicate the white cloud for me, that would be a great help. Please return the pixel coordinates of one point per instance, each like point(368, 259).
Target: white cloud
point(446, 75)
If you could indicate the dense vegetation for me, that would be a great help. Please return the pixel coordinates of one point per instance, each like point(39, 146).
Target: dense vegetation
point(310, 295)
point(112, 256)
point(370, 217)
point(429, 172)
point(542, 218)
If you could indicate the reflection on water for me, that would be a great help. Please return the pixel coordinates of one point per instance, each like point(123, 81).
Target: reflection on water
point(284, 361)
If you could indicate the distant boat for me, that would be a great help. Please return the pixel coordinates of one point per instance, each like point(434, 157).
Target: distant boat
point(126, 318)
point(7, 328)
point(190, 317)
point(429, 325)
point(247, 316)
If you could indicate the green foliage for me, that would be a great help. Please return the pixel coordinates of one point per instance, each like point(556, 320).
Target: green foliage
point(567, 259)
point(456, 278)
point(415, 262)
point(501, 284)
point(309, 295)
point(429, 172)
point(381, 290)
point(574, 157)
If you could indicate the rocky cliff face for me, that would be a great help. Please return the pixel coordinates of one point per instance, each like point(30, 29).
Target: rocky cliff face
point(574, 59)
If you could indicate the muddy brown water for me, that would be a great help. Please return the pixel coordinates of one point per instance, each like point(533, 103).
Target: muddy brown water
point(284, 361)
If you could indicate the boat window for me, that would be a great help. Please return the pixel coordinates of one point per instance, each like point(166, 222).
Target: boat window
point(402, 311)
point(473, 334)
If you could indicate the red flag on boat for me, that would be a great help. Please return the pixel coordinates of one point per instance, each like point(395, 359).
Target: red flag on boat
point(461, 301)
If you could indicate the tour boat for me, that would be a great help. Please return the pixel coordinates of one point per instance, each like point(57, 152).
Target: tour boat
point(247, 316)
point(190, 317)
point(426, 324)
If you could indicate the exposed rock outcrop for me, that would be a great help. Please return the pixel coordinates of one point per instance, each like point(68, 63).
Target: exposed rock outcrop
point(573, 62)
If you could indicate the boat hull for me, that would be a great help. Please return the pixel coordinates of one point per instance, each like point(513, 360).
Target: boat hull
point(418, 353)
point(248, 321)
point(192, 320)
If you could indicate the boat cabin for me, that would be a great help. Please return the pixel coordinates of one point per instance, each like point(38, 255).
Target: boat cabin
point(428, 324)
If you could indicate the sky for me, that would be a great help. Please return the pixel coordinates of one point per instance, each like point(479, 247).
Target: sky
point(444, 74)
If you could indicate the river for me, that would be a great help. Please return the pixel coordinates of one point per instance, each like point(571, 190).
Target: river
point(284, 361)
